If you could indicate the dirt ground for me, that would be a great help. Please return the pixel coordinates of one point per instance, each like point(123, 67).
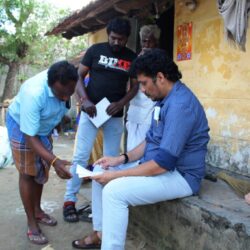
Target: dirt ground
point(13, 225)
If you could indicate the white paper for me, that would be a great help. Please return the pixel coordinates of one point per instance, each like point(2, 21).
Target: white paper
point(157, 113)
point(102, 115)
point(83, 172)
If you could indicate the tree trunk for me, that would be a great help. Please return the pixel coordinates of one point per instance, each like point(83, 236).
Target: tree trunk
point(9, 86)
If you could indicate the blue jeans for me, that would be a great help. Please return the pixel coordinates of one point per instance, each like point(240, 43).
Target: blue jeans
point(86, 135)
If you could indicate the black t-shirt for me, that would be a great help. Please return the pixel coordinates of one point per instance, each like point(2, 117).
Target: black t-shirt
point(109, 72)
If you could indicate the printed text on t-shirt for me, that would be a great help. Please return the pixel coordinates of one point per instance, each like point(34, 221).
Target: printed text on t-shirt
point(111, 62)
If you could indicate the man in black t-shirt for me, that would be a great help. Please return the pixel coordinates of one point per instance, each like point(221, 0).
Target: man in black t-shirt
point(108, 71)
point(108, 67)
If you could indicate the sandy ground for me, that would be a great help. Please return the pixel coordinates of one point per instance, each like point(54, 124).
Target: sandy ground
point(13, 225)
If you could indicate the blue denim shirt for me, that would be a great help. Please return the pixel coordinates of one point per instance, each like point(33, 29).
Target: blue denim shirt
point(35, 108)
point(178, 139)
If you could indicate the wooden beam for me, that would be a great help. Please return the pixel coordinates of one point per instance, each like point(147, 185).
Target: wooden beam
point(120, 10)
point(100, 21)
point(84, 26)
point(77, 33)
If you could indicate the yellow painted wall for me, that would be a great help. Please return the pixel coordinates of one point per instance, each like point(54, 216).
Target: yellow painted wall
point(98, 37)
point(219, 74)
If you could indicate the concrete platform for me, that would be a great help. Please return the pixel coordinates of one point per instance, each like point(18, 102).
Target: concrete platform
point(217, 219)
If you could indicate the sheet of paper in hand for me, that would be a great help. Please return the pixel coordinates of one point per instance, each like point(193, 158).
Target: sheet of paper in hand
point(83, 172)
point(102, 115)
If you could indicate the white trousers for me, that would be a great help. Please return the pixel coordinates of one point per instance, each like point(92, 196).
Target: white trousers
point(110, 203)
point(136, 134)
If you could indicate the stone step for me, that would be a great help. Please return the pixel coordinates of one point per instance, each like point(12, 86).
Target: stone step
point(217, 219)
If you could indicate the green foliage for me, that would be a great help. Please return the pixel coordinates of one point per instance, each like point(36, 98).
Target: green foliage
point(23, 24)
point(14, 36)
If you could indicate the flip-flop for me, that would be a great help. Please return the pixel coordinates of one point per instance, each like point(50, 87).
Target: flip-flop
point(37, 238)
point(46, 219)
point(80, 244)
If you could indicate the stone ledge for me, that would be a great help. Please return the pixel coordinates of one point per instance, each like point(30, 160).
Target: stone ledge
point(217, 219)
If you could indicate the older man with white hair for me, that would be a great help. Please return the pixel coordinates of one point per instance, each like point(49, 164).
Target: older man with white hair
point(141, 107)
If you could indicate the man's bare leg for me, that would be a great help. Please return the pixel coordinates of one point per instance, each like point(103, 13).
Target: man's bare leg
point(38, 189)
point(27, 193)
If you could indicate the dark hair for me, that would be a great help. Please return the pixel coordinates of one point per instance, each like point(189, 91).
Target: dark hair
point(62, 71)
point(120, 26)
point(154, 61)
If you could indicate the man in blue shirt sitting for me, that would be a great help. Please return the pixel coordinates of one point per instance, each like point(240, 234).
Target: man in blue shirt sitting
point(169, 164)
point(39, 106)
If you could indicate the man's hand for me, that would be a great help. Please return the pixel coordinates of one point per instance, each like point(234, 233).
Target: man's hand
point(143, 51)
point(89, 108)
point(61, 170)
point(108, 161)
point(114, 108)
point(105, 177)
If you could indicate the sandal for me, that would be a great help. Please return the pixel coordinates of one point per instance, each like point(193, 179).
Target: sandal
point(85, 213)
point(81, 243)
point(37, 238)
point(46, 219)
point(70, 213)
point(86, 216)
point(83, 208)
point(247, 198)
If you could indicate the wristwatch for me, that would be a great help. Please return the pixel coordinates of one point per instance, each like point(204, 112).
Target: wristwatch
point(126, 160)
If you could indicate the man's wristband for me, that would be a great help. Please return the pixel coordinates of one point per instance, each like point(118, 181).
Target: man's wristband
point(54, 160)
point(126, 160)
